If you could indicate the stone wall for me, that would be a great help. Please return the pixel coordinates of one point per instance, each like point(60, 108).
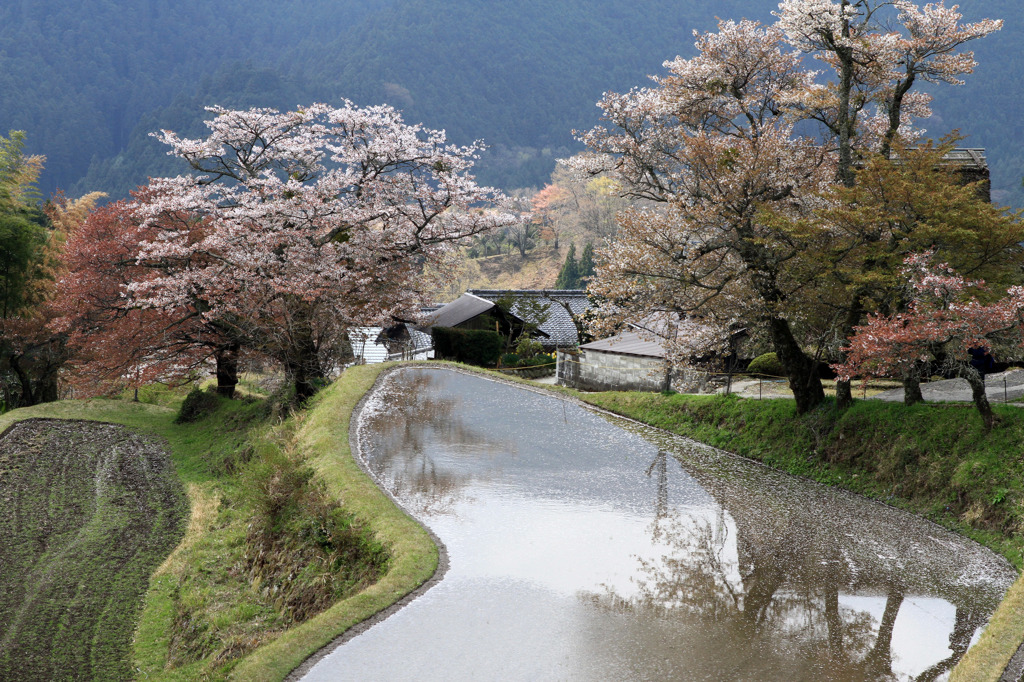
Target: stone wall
point(567, 367)
point(598, 371)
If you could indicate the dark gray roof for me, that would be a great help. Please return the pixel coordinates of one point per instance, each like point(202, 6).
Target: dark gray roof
point(967, 157)
point(559, 326)
point(627, 343)
point(655, 324)
point(465, 307)
point(419, 339)
point(647, 337)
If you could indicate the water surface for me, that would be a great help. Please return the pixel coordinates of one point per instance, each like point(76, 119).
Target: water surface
point(583, 547)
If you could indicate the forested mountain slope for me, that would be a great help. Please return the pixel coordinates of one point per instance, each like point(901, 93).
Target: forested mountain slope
point(519, 75)
point(987, 109)
point(79, 76)
point(89, 80)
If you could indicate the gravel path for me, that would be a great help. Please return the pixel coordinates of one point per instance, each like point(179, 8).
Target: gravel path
point(1003, 387)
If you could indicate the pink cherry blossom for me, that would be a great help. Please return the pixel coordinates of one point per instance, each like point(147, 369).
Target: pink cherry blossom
point(299, 224)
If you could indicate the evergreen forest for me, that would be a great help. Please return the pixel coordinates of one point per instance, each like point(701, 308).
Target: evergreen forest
point(89, 81)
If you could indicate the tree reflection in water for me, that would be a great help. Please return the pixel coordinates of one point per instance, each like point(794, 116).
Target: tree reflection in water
point(743, 590)
point(396, 442)
point(748, 574)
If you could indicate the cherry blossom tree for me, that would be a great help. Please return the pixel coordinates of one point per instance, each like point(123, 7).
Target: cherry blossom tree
point(944, 318)
point(711, 147)
point(302, 223)
point(723, 144)
point(115, 342)
point(874, 60)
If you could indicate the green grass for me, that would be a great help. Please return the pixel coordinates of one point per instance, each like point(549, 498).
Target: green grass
point(201, 454)
point(414, 558)
point(936, 461)
point(269, 499)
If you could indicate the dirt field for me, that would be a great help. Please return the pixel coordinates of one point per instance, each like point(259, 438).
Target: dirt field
point(89, 511)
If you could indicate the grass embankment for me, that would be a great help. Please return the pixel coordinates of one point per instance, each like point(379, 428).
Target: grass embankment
point(413, 555)
point(986, 660)
point(934, 460)
point(271, 566)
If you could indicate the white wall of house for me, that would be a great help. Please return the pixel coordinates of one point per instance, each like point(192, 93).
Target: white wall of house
point(368, 352)
point(364, 347)
point(614, 372)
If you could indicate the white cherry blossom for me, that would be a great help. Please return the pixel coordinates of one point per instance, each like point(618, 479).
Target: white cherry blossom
point(298, 224)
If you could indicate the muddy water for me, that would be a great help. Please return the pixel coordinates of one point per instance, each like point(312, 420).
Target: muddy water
point(584, 548)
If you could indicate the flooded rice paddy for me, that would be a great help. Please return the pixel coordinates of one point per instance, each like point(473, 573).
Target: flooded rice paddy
point(583, 547)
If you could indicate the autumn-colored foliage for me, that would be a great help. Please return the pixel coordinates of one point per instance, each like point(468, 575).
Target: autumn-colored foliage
point(943, 320)
point(738, 149)
point(117, 342)
point(300, 224)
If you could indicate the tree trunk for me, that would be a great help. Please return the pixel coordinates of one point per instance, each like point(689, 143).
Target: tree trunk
point(977, 382)
point(844, 389)
point(966, 623)
point(304, 378)
point(801, 370)
point(303, 364)
point(54, 356)
point(47, 388)
point(302, 369)
point(959, 641)
point(27, 397)
point(845, 119)
point(227, 369)
point(847, 128)
point(896, 112)
point(834, 621)
point(912, 390)
point(879, 659)
point(759, 589)
point(844, 393)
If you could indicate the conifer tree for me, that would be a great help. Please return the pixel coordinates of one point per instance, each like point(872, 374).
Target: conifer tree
point(586, 267)
point(569, 276)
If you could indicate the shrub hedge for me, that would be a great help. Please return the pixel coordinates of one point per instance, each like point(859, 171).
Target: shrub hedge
point(473, 346)
point(767, 364)
point(197, 405)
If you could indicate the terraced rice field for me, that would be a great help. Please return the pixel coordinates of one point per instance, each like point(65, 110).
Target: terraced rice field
point(89, 511)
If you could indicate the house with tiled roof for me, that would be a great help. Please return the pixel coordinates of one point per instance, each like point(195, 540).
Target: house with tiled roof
point(400, 341)
point(629, 361)
point(635, 359)
point(559, 329)
point(470, 311)
point(971, 165)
